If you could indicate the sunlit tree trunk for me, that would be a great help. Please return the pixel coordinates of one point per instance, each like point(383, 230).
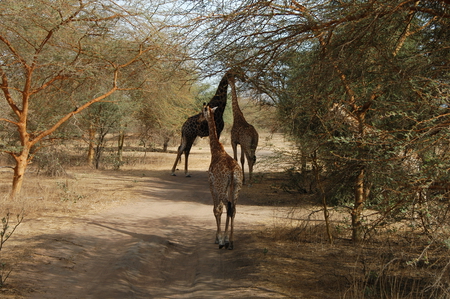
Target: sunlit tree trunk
point(19, 171)
point(22, 157)
point(357, 121)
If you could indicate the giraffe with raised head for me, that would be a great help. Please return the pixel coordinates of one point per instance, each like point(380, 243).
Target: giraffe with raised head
point(197, 126)
point(225, 182)
point(244, 134)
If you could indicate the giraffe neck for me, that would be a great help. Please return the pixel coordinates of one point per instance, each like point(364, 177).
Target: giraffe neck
point(215, 145)
point(238, 116)
point(220, 98)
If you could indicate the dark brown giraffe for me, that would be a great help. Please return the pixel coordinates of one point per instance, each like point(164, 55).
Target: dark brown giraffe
point(197, 126)
point(244, 134)
point(225, 182)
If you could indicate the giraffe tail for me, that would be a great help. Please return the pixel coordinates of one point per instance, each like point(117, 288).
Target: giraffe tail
point(230, 209)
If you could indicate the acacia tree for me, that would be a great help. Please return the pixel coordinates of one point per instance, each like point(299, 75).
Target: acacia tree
point(101, 119)
point(376, 98)
point(156, 124)
point(363, 84)
point(68, 55)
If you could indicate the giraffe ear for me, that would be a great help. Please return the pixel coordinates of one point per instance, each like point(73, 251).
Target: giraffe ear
point(214, 109)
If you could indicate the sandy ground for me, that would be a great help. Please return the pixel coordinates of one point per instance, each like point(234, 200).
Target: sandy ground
point(158, 243)
point(161, 246)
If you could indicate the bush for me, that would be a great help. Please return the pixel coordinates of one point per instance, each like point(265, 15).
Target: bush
point(5, 233)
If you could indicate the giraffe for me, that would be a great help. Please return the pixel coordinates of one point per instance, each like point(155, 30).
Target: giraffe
point(225, 182)
point(197, 126)
point(244, 134)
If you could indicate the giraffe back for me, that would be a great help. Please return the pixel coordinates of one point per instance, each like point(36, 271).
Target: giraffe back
point(225, 178)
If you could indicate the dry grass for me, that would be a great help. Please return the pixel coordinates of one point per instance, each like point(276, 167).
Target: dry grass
point(66, 195)
point(79, 189)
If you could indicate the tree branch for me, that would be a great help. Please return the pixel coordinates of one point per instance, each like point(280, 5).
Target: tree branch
point(9, 121)
point(78, 110)
point(13, 50)
point(47, 84)
point(8, 97)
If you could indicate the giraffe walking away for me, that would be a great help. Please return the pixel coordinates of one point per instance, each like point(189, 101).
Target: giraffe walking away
point(225, 182)
point(244, 134)
point(197, 126)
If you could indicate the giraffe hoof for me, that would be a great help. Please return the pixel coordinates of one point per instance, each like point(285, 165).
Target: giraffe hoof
point(230, 247)
point(221, 246)
point(173, 174)
point(227, 244)
point(188, 175)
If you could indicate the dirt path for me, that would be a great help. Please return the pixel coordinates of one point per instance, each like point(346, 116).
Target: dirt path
point(141, 233)
point(157, 241)
point(159, 244)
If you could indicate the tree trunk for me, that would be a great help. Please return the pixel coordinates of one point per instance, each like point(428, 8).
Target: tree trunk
point(19, 171)
point(166, 144)
point(91, 150)
point(120, 145)
point(100, 146)
point(358, 207)
point(303, 161)
point(98, 153)
point(326, 213)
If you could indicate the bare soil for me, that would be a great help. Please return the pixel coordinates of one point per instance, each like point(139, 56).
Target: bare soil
point(142, 233)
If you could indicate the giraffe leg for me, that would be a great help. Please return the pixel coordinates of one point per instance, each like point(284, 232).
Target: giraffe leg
point(186, 158)
point(177, 160)
point(231, 211)
point(250, 169)
point(231, 246)
point(226, 235)
point(218, 215)
point(243, 163)
point(251, 159)
point(234, 146)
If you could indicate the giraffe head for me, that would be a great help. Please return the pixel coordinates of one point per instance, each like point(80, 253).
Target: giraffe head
point(208, 112)
point(201, 117)
point(236, 72)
